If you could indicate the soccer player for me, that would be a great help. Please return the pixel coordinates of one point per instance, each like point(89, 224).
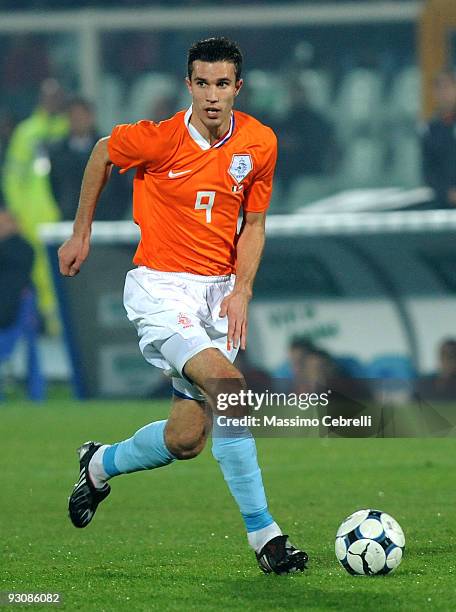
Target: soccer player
point(188, 295)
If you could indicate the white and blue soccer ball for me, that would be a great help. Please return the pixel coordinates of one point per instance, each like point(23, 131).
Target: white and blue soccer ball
point(369, 542)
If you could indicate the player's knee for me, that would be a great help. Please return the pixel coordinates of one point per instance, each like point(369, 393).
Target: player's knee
point(183, 452)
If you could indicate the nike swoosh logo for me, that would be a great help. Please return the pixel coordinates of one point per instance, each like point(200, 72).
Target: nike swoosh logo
point(172, 174)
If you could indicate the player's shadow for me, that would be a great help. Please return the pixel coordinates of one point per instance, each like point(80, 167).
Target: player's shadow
point(295, 592)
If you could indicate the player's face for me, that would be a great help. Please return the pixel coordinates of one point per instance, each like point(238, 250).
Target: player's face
point(213, 88)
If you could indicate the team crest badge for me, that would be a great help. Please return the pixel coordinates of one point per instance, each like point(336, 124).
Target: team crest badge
point(184, 320)
point(240, 167)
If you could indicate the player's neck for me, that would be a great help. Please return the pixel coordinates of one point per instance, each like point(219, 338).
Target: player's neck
point(210, 135)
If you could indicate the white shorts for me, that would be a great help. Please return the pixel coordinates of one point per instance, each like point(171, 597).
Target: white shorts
point(176, 316)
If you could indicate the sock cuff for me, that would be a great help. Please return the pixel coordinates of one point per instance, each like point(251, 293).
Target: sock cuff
point(109, 465)
point(166, 451)
point(257, 520)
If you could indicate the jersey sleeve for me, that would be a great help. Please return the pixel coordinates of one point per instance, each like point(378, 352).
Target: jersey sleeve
point(258, 196)
point(134, 144)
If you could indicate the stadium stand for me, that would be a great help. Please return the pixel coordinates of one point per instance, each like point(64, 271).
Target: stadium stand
point(359, 102)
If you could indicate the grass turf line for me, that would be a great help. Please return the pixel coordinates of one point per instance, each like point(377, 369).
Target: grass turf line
point(172, 539)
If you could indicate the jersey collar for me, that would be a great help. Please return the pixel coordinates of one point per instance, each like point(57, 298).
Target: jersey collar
point(199, 139)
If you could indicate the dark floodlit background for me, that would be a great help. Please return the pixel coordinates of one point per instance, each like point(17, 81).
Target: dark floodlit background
point(360, 260)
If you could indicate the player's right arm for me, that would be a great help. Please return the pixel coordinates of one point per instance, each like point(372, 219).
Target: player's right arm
point(129, 146)
point(75, 250)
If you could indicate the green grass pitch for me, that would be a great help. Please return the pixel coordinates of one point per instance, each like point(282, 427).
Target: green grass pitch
point(172, 539)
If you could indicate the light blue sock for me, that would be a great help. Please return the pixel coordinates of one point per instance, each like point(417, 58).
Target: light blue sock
point(145, 450)
point(237, 458)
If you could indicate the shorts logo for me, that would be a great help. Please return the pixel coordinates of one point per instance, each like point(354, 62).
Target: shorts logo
point(184, 320)
point(240, 167)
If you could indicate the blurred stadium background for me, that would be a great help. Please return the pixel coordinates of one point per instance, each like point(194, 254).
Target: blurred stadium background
point(359, 258)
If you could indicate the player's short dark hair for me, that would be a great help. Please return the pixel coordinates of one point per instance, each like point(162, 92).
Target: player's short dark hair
point(217, 49)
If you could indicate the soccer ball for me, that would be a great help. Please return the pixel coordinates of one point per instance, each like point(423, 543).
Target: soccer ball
point(369, 542)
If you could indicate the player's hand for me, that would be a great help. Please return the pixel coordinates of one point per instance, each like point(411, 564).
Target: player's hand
point(235, 306)
point(72, 255)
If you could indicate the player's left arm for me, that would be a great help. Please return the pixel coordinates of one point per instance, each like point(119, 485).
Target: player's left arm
point(249, 249)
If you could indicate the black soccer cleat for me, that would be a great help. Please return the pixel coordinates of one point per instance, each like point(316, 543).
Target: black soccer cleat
point(281, 557)
point(85, 498)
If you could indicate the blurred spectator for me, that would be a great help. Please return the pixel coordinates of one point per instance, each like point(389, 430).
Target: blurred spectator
point(314, 373)
point(7, 125)
point(438, 142)
point(307, 139)
point(299, 348)
point(441, 385)
point(16, 259)
point(27, 187)
point(68, 158)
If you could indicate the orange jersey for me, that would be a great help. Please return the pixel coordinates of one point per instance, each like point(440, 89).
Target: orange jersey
point(187, 195)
